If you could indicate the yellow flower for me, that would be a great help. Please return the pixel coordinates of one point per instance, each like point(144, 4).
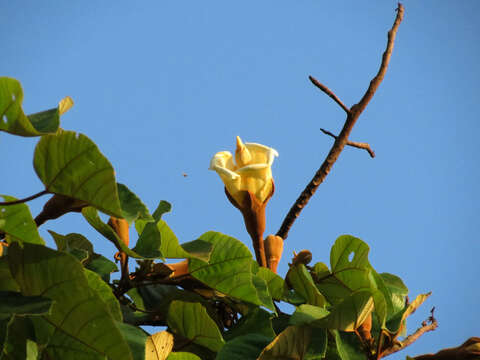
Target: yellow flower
point(248, 185)
point(249, 171)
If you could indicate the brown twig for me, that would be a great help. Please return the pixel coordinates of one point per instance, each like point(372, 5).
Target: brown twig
point(410, 339)
point(359, 145)
point(342, 139)
point(329, 92)
point(20, 201)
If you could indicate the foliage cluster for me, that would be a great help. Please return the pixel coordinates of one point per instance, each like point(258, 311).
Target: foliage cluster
point(62, 303)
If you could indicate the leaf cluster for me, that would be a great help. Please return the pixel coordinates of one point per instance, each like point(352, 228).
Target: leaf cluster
point(216, 303)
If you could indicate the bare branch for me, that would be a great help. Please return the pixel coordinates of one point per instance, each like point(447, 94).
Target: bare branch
point(359, 145)
point(329, 92)
point(342, 139)
point(20, 201)
point(410, 339)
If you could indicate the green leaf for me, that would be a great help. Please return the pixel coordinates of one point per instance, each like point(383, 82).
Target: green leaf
point(381, 307)
point(8, 283)
point(16, 338)
point(162, 208)
point(275, 284)
point(306, 314)
point(105, 293)
point(243, 347)
point(80, 320)
point(132, 207)
point(17, 223)
point(348, 346)
point(257, 321)
point(102, 266)
point(91, 215)
point(229, 268)
point(70, 164)
point(157, 297)
point(192, 322)
point(398, 292)
point(350, 269)
point(397, 324)
point(15, 303)
point(182, 356)
point(349, 314)
point(12, 118)
point(262, 292)
point(159, 346)
point(296, 342)
point(158, 237)
point(136, 339)
point(70, 242)
point(300, 279)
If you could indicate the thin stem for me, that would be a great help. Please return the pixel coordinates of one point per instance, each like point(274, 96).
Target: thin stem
point(359, 145)
point(20, 201)
point(342, 139)
point(329, 92)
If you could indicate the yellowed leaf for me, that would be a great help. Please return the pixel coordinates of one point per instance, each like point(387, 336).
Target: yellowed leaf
point(65, 104)
point(158, 346)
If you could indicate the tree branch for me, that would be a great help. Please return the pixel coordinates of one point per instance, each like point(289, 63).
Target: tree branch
point(329, 92)
point(342, 139)
point(359, 145)
point(410, 339)
point(20, 201)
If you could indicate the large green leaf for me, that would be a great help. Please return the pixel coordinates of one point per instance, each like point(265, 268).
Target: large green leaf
point(12, 118)
point(132, 207)
point(244, 347)
point(91, 215)
point(229, 269)
point(350, 269)
point(349, 314)
point(14, 303)
point(296, 342)
point(105, 293)
point(300, 279)
point(70, 164)
point(80, 322)
point(17, 223)
point(191, 321)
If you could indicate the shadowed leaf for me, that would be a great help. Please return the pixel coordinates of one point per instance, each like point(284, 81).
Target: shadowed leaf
point(132, 207)
point(229, 269)
point(296, 342)
point(244, 347)
point(80, 319)
point(192, 322)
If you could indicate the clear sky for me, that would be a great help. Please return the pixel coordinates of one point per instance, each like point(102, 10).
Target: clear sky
point(162, 86)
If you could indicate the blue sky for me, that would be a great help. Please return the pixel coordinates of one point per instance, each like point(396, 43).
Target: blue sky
point(162, 86)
